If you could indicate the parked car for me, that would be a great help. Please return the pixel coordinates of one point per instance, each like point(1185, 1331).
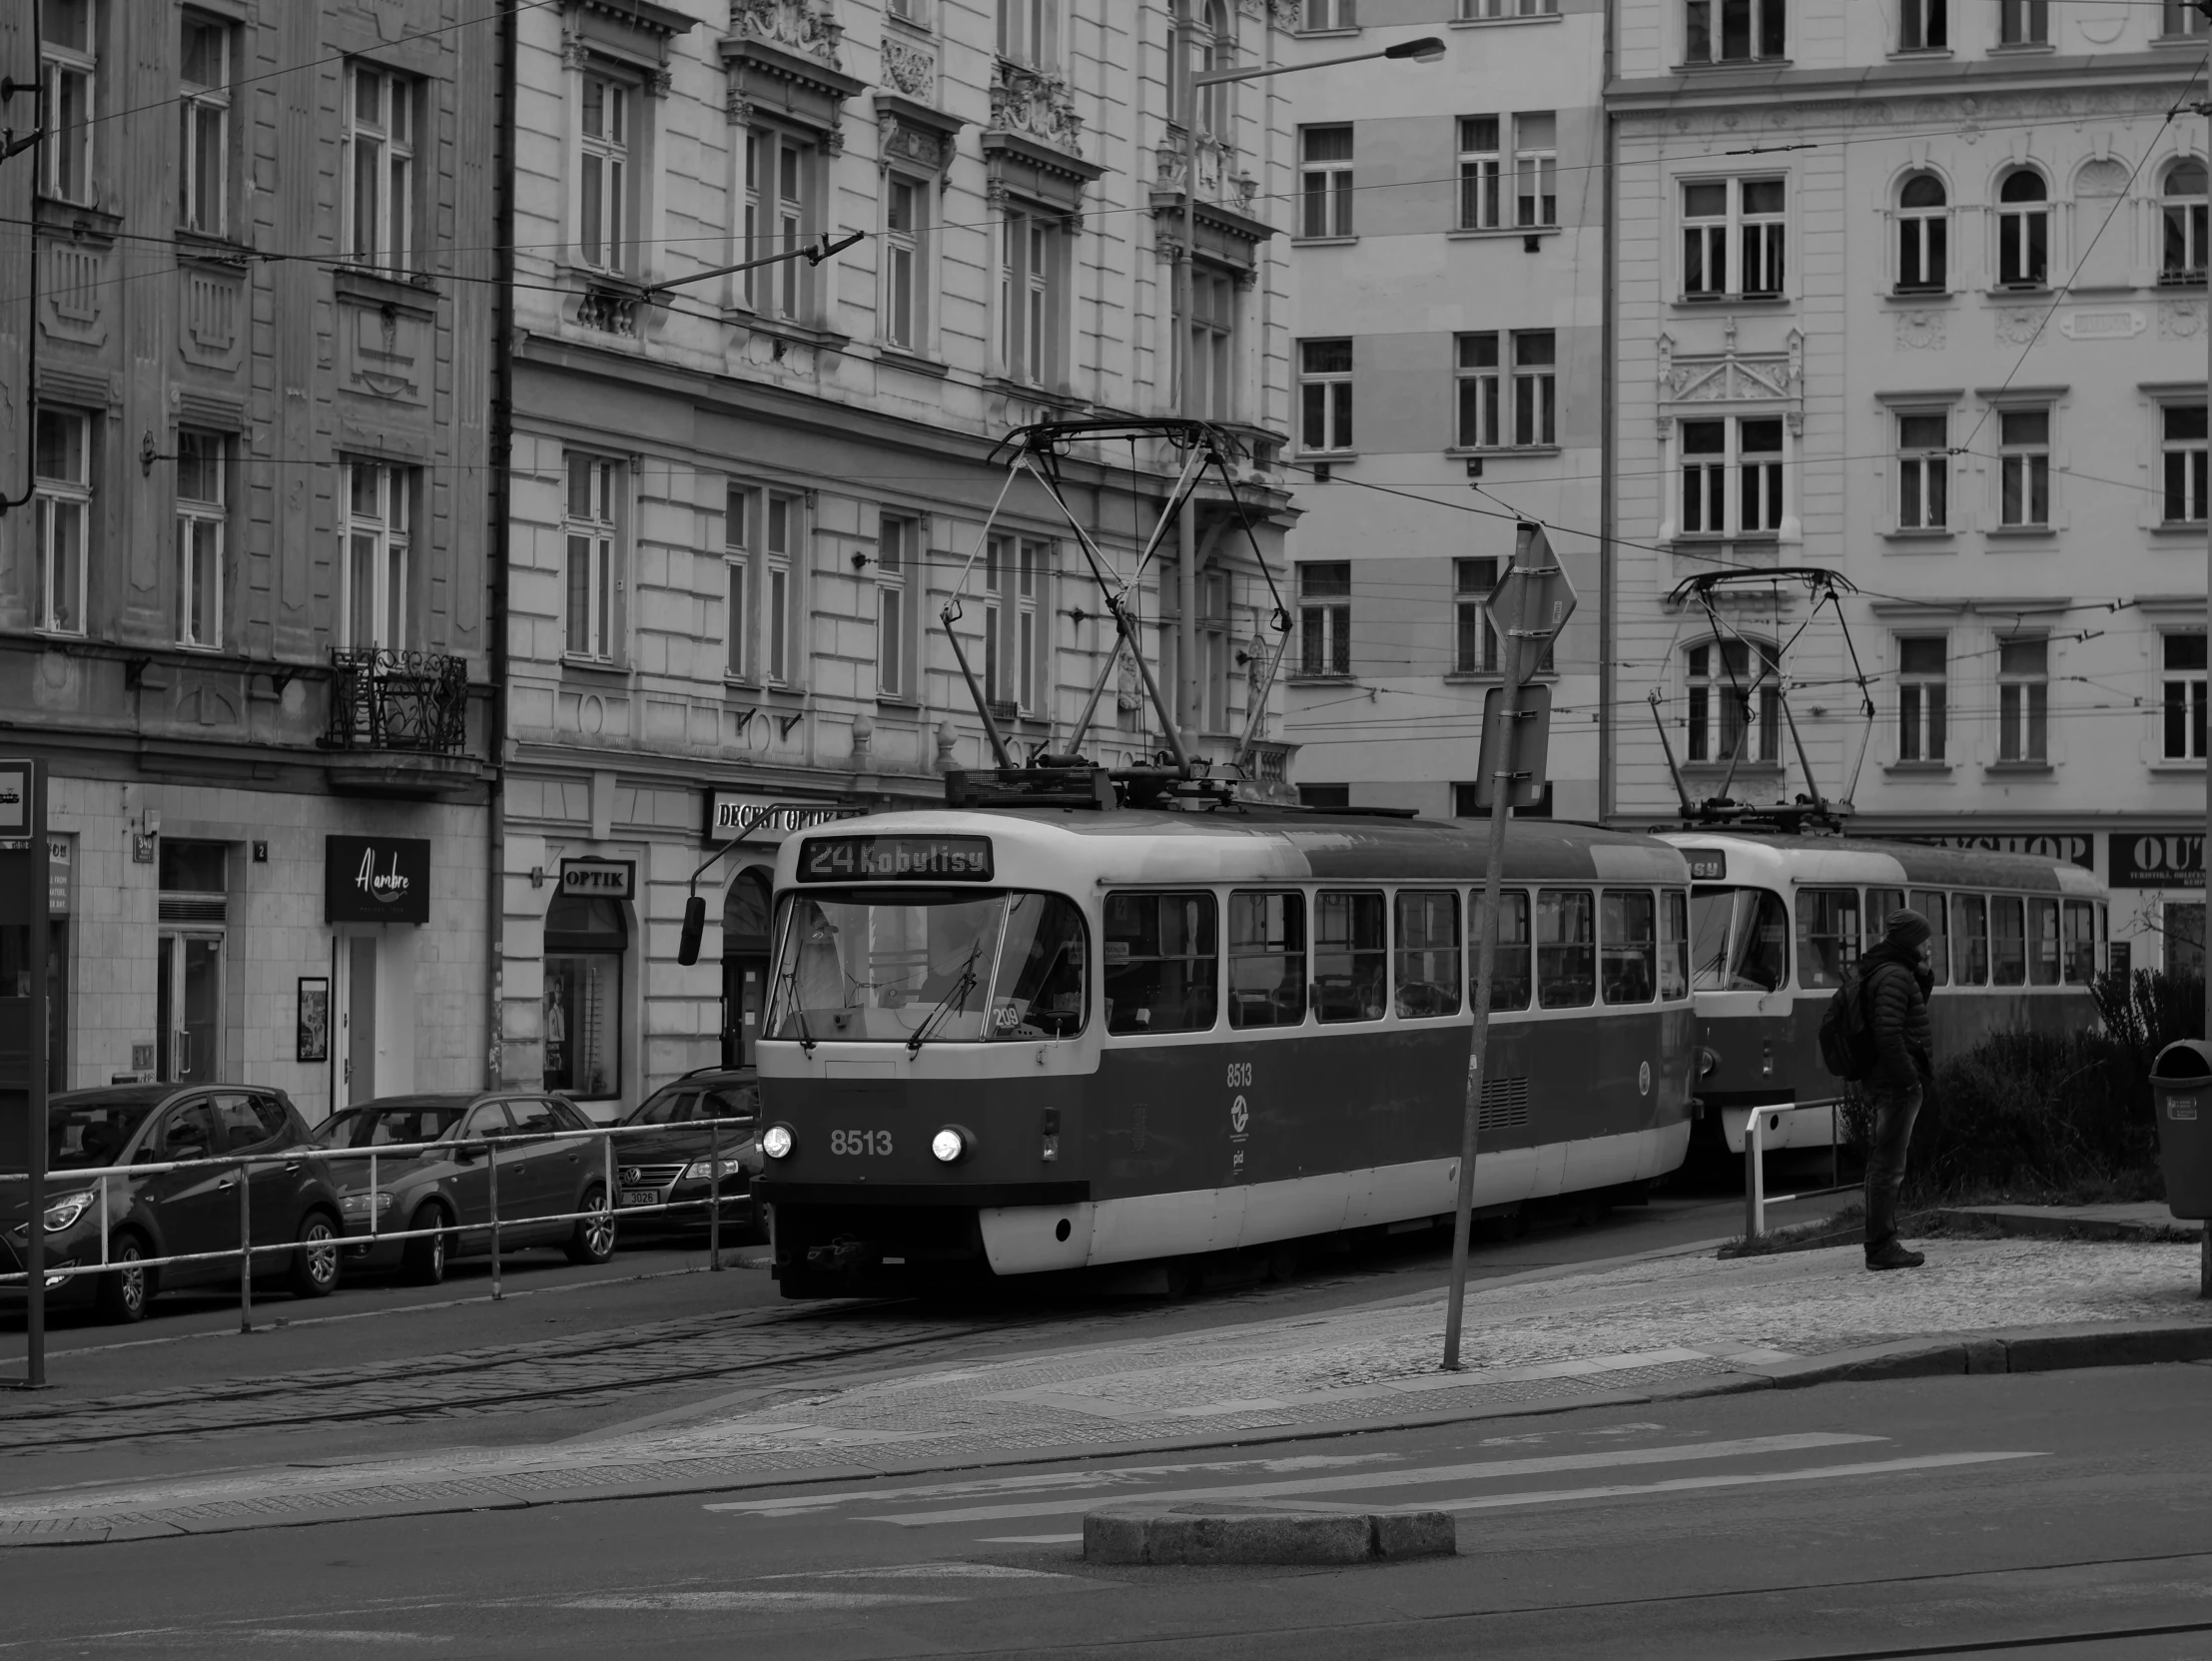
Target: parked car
point(552, 1183)
point(670, 1166)
point(173, 1213)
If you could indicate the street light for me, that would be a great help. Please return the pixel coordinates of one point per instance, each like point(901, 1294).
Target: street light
point(1427, 50)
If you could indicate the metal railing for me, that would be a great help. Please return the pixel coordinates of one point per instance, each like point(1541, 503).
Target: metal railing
point(397, 700)
point(98, 1179)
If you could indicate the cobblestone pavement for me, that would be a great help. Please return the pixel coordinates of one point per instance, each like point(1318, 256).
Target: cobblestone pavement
point(1551, 1337)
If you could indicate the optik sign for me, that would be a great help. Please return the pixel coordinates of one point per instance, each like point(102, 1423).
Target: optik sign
point(375, 878)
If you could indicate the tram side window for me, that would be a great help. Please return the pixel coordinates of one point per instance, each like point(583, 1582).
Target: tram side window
point(2007, 941)
point(1266, 960)
point(1162, 971)
point(1827, 934)
point(1041, 991)
point(1673, 944)
point(1929, 904)
point(1739, 940)
point(1429, 953)
point(2043, 942)
point(1351, 957)
point(1881, 902)
point(1566, 947)
point(2081, 943)
point(1510, 975)
point(1970, 939)
point(1628, 945)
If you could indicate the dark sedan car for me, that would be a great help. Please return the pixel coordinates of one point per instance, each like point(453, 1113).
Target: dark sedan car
point(669, 1164)
point(553, 1181)
point(173, 1213)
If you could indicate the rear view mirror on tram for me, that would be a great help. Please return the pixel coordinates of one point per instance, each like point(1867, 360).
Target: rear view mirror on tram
point(694, 925)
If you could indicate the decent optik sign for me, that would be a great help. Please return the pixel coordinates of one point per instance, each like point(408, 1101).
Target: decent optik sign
point(731, 815)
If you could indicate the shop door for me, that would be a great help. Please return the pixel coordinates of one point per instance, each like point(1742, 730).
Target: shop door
point(744, 966)
point(357, 1022)
point(188, 1007)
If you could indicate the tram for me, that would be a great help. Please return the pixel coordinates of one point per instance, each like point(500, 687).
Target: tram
point(1775, 920)
point(1025, 1040)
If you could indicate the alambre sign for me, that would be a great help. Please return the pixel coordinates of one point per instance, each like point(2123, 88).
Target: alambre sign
point(375, 878)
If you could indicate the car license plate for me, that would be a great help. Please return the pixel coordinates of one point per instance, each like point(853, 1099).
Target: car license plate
point(641, 1197)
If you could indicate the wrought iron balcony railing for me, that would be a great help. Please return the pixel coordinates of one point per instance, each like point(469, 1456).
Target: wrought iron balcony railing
point(397, 700)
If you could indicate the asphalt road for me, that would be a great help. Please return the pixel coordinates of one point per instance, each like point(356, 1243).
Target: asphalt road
point(2065, 1513)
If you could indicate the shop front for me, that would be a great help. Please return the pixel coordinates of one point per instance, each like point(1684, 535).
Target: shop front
point(376, 899)
point(588, 969)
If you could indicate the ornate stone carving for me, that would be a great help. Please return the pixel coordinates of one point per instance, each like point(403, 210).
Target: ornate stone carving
point(1920, 330)
point(2104, 178)
point(806, 26)
point(1731, 375)
point(903, 140)
point(609, 311)
point(1039, 107)
point(2016, 325)
point(2181, 319)
point(910, 68)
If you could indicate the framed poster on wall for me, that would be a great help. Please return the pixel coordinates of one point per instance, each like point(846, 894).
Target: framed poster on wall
point(313, 1038)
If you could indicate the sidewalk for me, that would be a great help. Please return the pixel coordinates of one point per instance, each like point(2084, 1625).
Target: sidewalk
point(1663, 1324)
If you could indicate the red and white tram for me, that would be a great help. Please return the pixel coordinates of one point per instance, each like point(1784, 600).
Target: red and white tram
point(1013, 1042)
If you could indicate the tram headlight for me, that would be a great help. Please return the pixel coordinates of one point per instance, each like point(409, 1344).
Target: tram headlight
point(777, 1142)
point(951, 1145)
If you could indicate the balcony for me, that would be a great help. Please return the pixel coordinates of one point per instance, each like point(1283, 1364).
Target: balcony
point(387, 703)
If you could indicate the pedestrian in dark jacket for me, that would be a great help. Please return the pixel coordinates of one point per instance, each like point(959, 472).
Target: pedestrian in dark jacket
point(1895, 981)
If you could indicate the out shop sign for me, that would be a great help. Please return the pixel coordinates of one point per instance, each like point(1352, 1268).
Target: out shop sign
point(2157, 859)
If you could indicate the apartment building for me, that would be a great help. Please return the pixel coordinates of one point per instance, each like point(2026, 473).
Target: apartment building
point(1449, 251)
point(1915, 292)
point(740, 500)
point(244, 349)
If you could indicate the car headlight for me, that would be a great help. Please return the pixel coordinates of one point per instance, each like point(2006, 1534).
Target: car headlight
point(951, 1144)
point(777, 1142)
point(357, 1205)
point(65, 1211)
point(702, 1170)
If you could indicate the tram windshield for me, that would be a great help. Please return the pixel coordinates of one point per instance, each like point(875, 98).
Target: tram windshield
point(1739, 940)
point(917, 965)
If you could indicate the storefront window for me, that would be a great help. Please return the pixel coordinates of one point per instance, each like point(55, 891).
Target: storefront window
point(585, 942)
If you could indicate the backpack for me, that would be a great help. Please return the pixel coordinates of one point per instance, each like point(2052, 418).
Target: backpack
point(1846, 1040)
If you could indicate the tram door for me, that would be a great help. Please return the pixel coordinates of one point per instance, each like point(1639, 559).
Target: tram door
point(744, 966)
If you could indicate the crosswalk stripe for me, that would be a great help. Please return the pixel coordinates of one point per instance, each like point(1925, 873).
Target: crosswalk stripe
point(1487, 1470)
point(1685, 1485)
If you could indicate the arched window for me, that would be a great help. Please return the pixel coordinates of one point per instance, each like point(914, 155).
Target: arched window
point(2181, 259)
point(1924, 232)
point(2023, 231)
point(1735, 703)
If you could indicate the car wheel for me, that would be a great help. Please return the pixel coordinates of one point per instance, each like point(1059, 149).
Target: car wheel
point(314, 1271)
point(125, 1292)
point(593, 1240)
point(423, 1264)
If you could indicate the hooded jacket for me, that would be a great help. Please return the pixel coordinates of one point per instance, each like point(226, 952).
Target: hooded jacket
point(1896, 990)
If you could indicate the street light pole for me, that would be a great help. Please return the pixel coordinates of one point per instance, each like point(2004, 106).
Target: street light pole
point(1426, 50)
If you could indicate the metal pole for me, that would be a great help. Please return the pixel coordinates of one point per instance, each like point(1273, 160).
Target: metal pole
point(1478, 1055)
point(714, 1194)
point(372, 1191)
point(244, 1249)
point(1754, 1180)
point(1186, 528)
point(2205, 934)
point(2204, 1262)
point(102, 1220)
point(1835, 1150)
point(492, 1173)
point(34, 1118)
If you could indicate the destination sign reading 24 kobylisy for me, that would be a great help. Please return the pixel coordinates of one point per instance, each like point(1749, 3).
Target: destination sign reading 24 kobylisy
point(896, 859)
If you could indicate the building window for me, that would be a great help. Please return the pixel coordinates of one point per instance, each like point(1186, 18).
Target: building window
point(1732, 238)
point(1732, 476)
point(204, 105)
point(593, 486)
point(1735, 703)
point(782, 538)
point(69, 67)
point(1325, 394)
point(1483, 10)
point(2023, 231)
point(1923, 473)
point(2182, 699)
point(587, 942)
point(1923, 26)
point(1535, 387)
point(1733, 31)
point(1477, 372)
point(380, 168)
point(603, 168)
point(379, 509)
point(2182, 442)
point(1213, 344)
point(895, 544)
point(1921, 677)
point(1325, 618)
point(1536, 168)
point(906, 268)
point(1326, 181)
point(1029, 310)
point(202, 513)
point(1029, 32)
point(2023, 22)
point(2181, 251)
point(737, 574)
point(1319, 16)
point(2024, 699)
point(1475, 646)
point(1028, 584)
point(62, 466)
point(2023, 466)
point(1923, 234)
point(2181, 17)
point(1481, 172)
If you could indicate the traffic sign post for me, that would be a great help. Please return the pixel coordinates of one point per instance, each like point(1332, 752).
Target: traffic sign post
point(23, 948)
point(1528, 609)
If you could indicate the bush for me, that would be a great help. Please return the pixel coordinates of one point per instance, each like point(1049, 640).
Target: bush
point(2147, 1010)
point(2032, 1113)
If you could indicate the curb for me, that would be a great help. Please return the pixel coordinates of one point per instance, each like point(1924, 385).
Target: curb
point(2017, 1350)
point(2039, 1225)
point(1206, 1534)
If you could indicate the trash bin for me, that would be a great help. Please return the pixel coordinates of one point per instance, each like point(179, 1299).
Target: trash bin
point(2181, 1096)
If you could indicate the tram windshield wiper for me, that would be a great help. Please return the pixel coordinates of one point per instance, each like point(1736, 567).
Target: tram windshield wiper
point(798, 1009)
point(954, 997)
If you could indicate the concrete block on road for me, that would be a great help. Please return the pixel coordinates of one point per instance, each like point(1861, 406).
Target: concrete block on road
point(1227, 1533)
